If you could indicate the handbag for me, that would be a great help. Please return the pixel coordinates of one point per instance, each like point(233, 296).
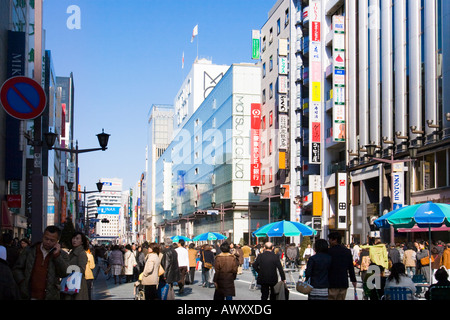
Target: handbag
point(304, 287)
point(207, 265)
point(426, 260)
point(167, 292)
point(72, 283)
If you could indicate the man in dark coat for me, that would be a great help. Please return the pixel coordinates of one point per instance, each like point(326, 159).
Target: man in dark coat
point(341, 268)
point(266, 265)
point(169, 262)
point(40, 266)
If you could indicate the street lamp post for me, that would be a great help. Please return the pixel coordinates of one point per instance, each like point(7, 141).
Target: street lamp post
point(222, 213)
point(50, 138)
point(371, 154)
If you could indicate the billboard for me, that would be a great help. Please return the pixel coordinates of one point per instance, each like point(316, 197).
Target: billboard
point(255, 154)
point(108, 210)
point(339, 79)
point(315, 88)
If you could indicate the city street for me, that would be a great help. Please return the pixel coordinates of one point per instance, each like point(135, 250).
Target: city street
point(107, 290)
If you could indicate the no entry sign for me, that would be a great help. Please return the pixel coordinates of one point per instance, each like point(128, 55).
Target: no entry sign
point(22, 98)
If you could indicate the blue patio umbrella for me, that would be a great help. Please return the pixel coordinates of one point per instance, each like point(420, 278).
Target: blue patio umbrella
point(177, 238)
point(209, 236)
point(284, 228)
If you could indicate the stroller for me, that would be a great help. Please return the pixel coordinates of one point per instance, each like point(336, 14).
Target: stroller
point(138, 289)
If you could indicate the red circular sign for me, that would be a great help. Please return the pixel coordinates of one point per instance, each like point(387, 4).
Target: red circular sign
point(23, 98)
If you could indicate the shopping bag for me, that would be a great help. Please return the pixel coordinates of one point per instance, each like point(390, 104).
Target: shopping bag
point(72, 283)
point(165, 291)
point(304, 287)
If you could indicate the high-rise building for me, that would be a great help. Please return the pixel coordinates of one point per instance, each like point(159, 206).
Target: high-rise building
point(203, 177)
point(110, 214)
point(360, 75)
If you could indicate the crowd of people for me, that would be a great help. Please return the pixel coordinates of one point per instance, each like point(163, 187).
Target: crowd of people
point(34, 272)
point(402, 261)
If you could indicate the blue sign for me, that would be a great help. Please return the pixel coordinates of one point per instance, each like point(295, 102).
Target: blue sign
point(108, 210)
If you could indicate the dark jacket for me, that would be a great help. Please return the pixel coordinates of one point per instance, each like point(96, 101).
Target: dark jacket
point(169, 262)
point(317, 270)
point(57, 269)
point(394, 255)
point(206, 256)
point(341, 267)
point(8, 287)
point(226, 267)
point(266, 265)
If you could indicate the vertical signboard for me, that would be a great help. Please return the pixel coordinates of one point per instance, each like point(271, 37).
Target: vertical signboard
point(255, 152)
point(398, 185)
point(341, 200)
point(256, 44)
point(315, 87)
point(283, 136)
point(339, 79)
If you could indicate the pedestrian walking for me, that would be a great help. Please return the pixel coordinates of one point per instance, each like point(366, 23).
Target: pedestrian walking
point(291, 256)
point(409, 260)
point(393, 255)
point(8, 287)
point(317, 270)
point(193, 254)
point(39, 268)
point(78, 257)
point(89, 275)
point(398, 278)
point(130, 263)
point(421, 267)
point(266, 266)
point(246, 251)
point(226, 267)
point(240, 254)
point(150, 273)
point(446, 258)
point(169, 263)
point(341, 268)
point(436, 262)
point(116, 263)
point(207, 258)
point(183, 264)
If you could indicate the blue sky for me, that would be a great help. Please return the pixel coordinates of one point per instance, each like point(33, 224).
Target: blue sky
point(127, 55)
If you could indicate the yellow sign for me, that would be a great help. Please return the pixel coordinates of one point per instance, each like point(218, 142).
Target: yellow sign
point(317, 204)
point(316, 96)
point(282, 160)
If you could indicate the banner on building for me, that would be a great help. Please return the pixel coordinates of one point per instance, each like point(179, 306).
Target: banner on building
point(315, 88)
point(341, 200)
point(255, 156)
point(256, 44)
point(339, 71)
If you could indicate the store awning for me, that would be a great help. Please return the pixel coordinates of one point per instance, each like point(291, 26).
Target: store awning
point(6, 216)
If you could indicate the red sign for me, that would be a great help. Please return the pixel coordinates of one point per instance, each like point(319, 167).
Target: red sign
point(315, 31)
point(14, 200)
point(255, 146)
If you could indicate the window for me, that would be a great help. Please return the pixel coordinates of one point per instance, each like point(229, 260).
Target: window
point(278, 26)
point(270, 63)
point(270, 174)
point(270, 118)
point(270, 146)
point(286, 17)
point(270, 36)
point(264, 69)
point(264, 96)
point(271, 91)
point(263, 178)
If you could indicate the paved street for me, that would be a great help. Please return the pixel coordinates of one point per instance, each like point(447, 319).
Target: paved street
point(107, 290)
